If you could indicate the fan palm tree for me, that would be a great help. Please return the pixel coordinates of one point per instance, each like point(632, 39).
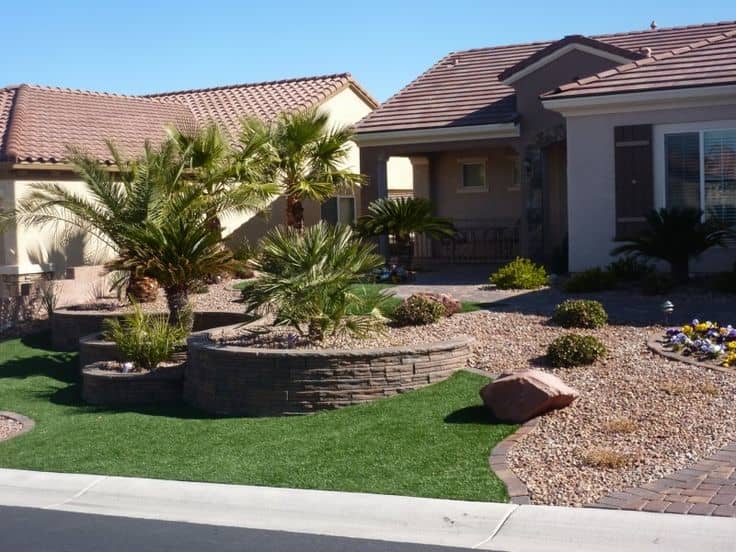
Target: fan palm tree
point(675, 235)
point(401, 218)
point(309, 159)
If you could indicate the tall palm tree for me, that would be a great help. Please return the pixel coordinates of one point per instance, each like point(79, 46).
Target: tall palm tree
point(309, 159)
point(401, 218)
point(675, 235)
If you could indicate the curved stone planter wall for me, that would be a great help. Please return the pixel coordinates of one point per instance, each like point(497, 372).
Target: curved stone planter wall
point(68, 327)
point(110, 388)
point(93, 348)
point(656, 343)
point(232, 380)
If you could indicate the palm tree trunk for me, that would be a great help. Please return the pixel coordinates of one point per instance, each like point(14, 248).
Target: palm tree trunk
point(141, 289)
point(180, 310)
point(294, 213)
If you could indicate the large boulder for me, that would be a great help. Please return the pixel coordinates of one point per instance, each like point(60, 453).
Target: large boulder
point(520, 396)
point(452, 305)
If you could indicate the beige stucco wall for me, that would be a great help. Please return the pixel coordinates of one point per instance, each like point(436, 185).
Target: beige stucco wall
point(591, 182)
point(498, 202)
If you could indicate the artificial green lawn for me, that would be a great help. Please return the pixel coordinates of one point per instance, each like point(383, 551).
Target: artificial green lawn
point(433, 442)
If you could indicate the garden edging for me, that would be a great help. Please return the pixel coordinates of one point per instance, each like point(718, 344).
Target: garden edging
point(27, 423)
point(499, 464)
point(235, 380)
point(655, 344)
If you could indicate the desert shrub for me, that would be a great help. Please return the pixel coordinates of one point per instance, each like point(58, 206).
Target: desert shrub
point(308, 280)
point(602, 457)
point(591, 280)
point(145, 339)
point(574, 350)
point(628, 268)
point(243, 253)
point(419, 310)
point(520, 274)
point(657, 283)
point(580, 313)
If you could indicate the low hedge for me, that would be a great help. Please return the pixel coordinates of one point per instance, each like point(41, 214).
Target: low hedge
point(574, 350)
point(520, 274)
point(580, 313)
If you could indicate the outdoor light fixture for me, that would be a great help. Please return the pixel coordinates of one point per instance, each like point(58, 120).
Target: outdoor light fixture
point(667, 309)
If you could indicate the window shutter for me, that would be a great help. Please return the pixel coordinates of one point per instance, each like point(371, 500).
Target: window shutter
point(634, 178)
point(329, 211)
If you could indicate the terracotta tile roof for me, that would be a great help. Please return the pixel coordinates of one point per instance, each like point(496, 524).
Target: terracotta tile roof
point(43, 121)
point(707, 62)
point(37, 123)
point(568, 40)
point(463, 87)
point(227, 105)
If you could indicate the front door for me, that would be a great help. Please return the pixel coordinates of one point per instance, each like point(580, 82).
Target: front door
point(555, 209)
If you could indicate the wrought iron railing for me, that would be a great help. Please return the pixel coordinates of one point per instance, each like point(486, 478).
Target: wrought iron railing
point(475, 241)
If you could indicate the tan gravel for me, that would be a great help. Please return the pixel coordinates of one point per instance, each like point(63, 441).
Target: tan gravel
point(636, 408)
point(8, 427)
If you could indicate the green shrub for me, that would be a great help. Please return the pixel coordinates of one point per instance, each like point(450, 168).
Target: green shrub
point(591, 280)
point(418, 310)
point(574, 350)
point(520, 274)
point(657, 283)
point(308, 280)
point(629, 268)
point(580, 313)
point(145, 339)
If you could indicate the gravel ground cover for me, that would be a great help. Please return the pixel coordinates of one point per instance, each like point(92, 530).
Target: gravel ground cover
point(640, 416)
point(8, 427)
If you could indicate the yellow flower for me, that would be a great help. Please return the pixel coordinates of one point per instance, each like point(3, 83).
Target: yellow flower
point(703, 327)
point(731, 345)
point(687, 330)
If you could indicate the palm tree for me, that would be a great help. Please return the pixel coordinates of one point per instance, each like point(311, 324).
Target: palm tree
point(675, 235)
point(178, 251)
point(400, 219)
point(309, 159)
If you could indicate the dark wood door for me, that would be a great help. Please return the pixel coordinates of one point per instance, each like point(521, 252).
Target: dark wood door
point(555, 211)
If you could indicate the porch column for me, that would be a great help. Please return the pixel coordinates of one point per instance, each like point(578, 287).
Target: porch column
point(373, 166)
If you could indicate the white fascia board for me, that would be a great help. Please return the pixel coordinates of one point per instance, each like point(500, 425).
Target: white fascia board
point(430, 135)
point(643, 101)
point(558, 54)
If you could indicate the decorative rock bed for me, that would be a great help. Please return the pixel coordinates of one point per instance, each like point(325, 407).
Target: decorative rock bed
point(69, 326)
point(108, 387)
point(236, 380)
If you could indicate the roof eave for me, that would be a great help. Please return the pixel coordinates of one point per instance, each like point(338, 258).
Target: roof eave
point(593, 104)
point(440, 134)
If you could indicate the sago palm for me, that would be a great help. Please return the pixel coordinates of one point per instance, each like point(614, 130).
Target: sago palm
point(310, 160)
point(401, 218)
point(307, 281)
point(675, 235)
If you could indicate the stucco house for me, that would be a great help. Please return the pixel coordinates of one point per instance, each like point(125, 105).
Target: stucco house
point(38, 123)
point(534, 146)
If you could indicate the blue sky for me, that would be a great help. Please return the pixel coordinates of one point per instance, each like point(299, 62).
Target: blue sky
point(156, 45)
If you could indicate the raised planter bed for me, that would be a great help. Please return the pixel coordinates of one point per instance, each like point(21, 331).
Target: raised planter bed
point(236, 380)
point(69, 326)
point(93, 348)
point(105, 387)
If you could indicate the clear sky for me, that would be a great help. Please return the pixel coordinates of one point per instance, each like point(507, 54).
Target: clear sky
point(139, 46)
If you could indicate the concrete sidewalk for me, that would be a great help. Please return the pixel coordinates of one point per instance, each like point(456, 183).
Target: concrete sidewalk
point(472, 525)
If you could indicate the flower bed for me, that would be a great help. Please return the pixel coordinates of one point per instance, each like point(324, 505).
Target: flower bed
point(703, 342)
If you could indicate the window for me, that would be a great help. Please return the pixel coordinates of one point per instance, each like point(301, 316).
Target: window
point(700, 172)
point(346, 209)
point(473, 175)
point(515, 176)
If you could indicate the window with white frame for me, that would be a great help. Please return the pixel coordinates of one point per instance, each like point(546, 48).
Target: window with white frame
point(473, 175)
point(345, 209)
point(700, 171)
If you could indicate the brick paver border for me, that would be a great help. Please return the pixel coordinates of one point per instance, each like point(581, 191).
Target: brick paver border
point(26, 423)
point(499, 464)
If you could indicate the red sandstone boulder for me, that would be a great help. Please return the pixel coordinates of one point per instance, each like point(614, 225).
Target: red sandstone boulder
point(452, 305)
point(521, 396)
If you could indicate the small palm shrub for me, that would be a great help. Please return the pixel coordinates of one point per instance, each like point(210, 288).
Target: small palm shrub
point(591, 280)
point(657, 283)
point(145, 339)
point(676, 236)
point(628, 268)
point(580, 313)
point(574, 350)
point(520, 274)
point(419, 310)
point(308, 281)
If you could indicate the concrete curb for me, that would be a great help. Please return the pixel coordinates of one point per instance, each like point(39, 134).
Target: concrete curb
point(26, 422)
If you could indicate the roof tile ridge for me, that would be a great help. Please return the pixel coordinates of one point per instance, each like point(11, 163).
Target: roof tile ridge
point(661, 29)
point(90, 93)
point(15, 122)
point(345, 75)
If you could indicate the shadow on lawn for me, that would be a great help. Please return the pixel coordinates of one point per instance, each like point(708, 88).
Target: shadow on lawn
point(52, 364)
point(476, 414)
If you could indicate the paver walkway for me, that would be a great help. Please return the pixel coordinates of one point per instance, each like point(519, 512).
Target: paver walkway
point(706, 488)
